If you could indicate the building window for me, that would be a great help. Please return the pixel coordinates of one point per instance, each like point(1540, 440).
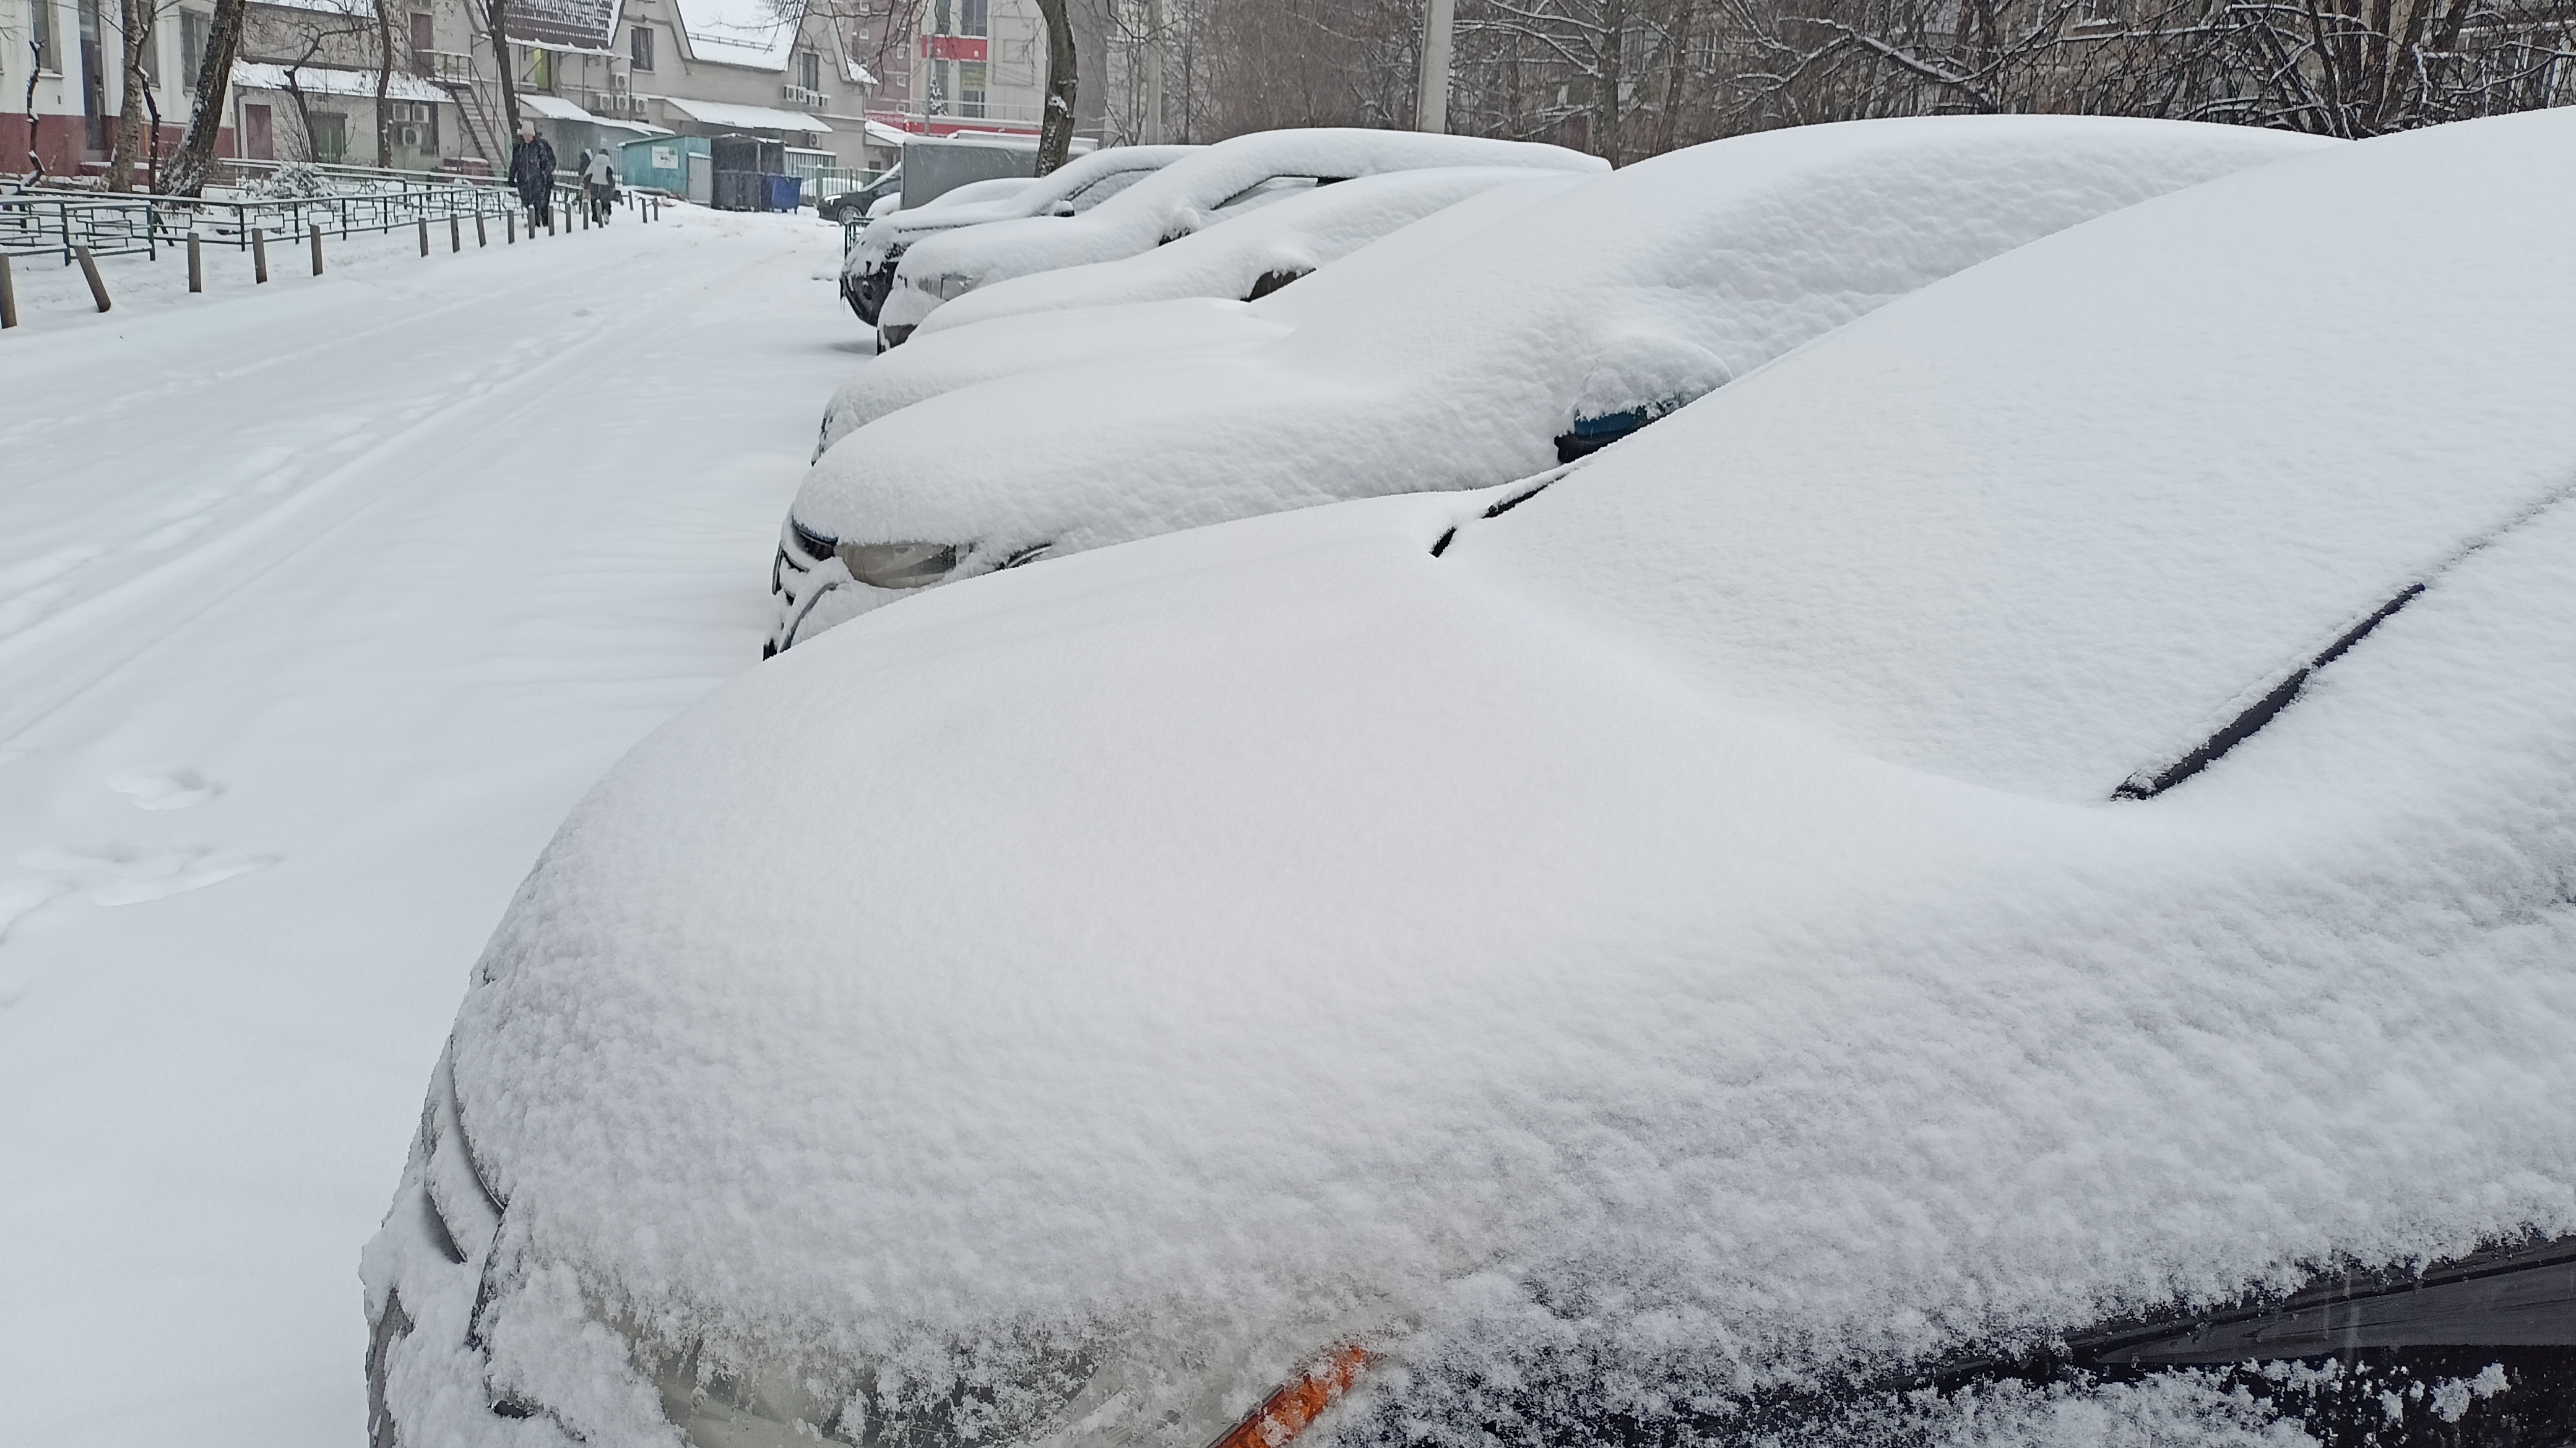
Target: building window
point(972, 18)
point(809, 66)
point(939, 18)
point(970, 88)
point(424, 40)
point(330, 137)
point(151, 52)
point(192, 48)
point(639, 47)
point(44, 37)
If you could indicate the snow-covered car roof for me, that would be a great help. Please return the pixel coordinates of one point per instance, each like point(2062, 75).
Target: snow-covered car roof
point(1229, 258)
point(1187, 196)
point(1257, 253)
point(1063, 1010)
point(1040, 198)
point(1616, 300)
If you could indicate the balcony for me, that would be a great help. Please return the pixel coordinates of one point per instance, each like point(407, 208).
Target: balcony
point(446, 67)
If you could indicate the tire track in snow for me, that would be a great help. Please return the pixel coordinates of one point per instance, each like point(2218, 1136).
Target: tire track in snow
point(51, 663)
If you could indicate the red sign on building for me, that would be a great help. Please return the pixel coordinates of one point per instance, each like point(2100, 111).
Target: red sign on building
point(953, 47)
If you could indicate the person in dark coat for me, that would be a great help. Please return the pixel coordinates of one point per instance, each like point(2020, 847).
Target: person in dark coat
point(532, 172)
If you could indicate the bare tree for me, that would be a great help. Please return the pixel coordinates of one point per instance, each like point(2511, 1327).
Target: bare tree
point(496, 19)
point(135, 27)
point(1055, 130)
point(384, 83)
point(1633, 78)
point(187, 175)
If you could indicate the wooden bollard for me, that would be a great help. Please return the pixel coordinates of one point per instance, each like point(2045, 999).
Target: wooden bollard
point(550, 221)
point(8, 295)
point(315, 236)
point(424, 236)
point(196, 265)
point(259, 254)
point(89, 271)
point(509, 227)
point(455, 236)
point(480, 240)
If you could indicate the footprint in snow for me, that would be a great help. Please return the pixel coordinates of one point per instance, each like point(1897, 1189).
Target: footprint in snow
point(119, 874)
point(173, 789)
point(22, 898)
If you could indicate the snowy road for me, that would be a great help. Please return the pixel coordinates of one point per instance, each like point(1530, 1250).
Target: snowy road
point(318, 605)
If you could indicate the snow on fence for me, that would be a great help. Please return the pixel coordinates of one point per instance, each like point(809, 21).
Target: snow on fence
point(53, 222)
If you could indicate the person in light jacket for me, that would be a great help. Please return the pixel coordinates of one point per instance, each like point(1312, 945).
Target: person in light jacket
point(532, 173)
point(599, 178)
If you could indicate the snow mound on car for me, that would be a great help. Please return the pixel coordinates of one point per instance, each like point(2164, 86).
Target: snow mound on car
point(1183, 197)
point(929, 366)
point(934, 362)
point(1465, 373)
point(1287, 238)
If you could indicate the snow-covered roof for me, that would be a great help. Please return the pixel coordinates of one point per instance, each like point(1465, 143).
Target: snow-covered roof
point(753, 118)
point(637, 127)
point(885, 135)
point(1148, 969)
point(742, 32)
point(334, 81)
point(553, 108)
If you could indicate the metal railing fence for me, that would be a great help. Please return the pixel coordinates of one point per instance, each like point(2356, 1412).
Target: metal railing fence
point(49, 222)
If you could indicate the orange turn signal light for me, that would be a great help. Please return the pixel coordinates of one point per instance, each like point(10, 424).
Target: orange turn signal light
point(1287, 1412)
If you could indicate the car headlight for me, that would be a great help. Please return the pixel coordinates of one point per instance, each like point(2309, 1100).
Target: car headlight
point(948, 286)
point(1014, 1392)
point(897, 565)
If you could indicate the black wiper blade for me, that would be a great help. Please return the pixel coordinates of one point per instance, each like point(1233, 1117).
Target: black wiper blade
point(2251, 719)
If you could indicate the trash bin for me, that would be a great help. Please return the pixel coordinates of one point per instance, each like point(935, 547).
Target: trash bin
point(786, 193)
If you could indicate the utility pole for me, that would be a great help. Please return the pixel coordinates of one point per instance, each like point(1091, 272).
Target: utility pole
point(1431, 108)
point(1153, 72)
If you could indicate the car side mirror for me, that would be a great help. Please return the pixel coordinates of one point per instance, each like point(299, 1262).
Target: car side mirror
point(1061, 208)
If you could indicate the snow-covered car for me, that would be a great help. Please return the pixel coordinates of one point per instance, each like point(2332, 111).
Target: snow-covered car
point(1202, 288)
point(1596, 312)
point(868, 265)
point(1220, 182)
point(2002, 880)
point(853, 205)
point(1249, 258)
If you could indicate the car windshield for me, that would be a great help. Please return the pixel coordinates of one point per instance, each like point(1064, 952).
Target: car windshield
point(1102, 189)
point(1263, 192)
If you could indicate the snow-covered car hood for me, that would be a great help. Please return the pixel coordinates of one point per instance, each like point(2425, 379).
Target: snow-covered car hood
point(1625, 296)
point(1037, 200)
point(1622, 951)
point(939, 359)
point(1276, 244)
point(1187, 196)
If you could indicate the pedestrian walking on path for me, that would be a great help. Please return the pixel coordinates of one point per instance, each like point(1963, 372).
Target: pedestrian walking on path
point(532, 172)
point(599, 179)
